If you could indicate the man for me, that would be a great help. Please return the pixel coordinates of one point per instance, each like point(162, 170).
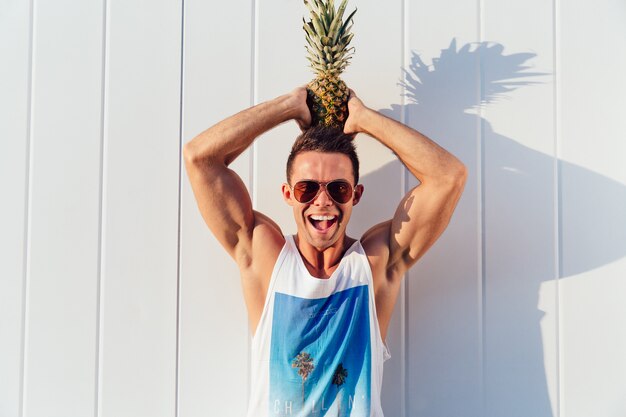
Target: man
point(319, 303)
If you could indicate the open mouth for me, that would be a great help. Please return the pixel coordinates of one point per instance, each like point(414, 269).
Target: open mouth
point(322, 223)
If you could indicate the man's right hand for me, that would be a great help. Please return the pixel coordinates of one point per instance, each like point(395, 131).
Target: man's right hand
point(301, 112)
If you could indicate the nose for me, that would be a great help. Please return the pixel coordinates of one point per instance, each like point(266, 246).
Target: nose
point(322, 198)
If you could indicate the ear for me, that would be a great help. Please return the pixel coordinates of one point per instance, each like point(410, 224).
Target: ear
point(358, 193)
point(287, 195)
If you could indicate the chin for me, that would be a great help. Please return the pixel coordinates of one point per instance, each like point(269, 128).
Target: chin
point(323, 242)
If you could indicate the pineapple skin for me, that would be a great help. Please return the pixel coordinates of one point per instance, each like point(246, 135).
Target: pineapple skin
point(328, 101)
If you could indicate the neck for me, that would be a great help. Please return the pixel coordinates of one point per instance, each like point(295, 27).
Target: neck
point(321, 263)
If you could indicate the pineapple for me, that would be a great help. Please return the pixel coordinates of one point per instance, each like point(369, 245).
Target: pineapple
point(328, 38)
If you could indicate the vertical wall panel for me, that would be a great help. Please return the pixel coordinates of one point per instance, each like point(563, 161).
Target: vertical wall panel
point(14, 88)
point(60, 348)
point(519, 210)
point(444, 305)
point(140, 209)
point(281, 66)
point(593, 203)
point(213, 370)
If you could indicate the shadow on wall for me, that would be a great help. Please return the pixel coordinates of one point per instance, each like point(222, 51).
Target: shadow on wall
point(443, 375)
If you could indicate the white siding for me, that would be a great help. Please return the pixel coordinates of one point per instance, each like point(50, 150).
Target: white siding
point(138, 307)
point(115, 299)
point(213, 341)
point(63, 210)
point(443, 356)
point(592, 167)
point(519, 206)
point(15, 35)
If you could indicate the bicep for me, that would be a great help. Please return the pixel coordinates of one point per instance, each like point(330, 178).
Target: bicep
point(224, 204)
point(420, 219)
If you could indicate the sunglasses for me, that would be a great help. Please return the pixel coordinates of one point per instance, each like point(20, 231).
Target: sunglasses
point(340, 191)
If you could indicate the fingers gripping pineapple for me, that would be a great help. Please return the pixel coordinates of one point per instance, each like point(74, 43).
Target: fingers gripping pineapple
point(328, 37)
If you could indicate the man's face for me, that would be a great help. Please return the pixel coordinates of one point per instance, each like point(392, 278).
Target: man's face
point(321, 222)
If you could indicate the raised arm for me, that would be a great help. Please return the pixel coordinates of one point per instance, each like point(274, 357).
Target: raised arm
point(425, 211)
point(220, 193)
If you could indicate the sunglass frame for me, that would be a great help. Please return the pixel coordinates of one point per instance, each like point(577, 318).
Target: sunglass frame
point(324, 185)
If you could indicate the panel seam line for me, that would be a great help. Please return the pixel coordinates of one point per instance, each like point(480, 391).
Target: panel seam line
point(99, 279)
point(179, 203)
point(404, 180)
point(482, 275)
point(252, 158)
point(27, 204)
point(558, 201)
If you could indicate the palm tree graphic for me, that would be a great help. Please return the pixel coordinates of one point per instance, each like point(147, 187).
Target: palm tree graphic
point(304, 363)
point(339, 378)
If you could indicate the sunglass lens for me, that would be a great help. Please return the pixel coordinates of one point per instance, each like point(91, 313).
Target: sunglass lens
point(340, 191)
point(305, 191)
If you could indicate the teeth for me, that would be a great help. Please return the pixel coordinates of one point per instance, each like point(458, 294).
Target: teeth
point(317, 217)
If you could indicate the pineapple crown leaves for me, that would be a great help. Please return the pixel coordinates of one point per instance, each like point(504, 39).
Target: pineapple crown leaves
point(328, 36)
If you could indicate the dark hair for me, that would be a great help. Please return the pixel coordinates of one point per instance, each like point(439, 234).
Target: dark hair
point(327, 140)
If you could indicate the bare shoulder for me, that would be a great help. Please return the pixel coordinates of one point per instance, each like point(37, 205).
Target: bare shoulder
point(375, 242)
point(256, 256)
point(267, 242)
point(387, 275)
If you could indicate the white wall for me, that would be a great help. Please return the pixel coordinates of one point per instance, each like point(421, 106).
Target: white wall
point(116, 301)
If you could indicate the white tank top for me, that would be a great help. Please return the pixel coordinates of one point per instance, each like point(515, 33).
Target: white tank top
point(317, 350)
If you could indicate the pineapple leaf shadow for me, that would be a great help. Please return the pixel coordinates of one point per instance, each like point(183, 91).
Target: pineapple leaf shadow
point(511, 196)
